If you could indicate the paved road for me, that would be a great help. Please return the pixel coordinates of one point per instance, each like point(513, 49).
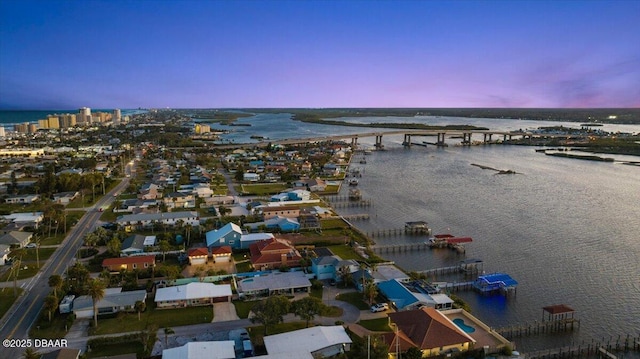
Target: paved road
point(25, 310)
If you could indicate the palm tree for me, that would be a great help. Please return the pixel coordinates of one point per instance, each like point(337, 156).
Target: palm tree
point(96, 289)
point(167, 331)
point(30, 353)
point(50, 304)
point(140, 307)
point(55, 282)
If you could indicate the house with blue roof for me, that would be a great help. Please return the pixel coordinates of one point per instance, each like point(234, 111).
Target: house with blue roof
point(495, 282)
point(329, 267)
point(410, 296)
point(283, 224)
point(228, 235)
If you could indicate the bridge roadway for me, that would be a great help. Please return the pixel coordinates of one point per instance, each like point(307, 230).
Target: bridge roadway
point(466, 135)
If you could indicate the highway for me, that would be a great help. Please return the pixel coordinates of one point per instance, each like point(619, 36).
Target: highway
point(23, 314)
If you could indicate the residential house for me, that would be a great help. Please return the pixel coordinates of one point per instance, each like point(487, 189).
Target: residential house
point(320, 342)
point(129, 263)
point(281, 211)
point(251, 177)
point(179, 200)
point(274, 253)
point(145, 220)
point(218, 200)
point(198, 256)
point(428, 330)
point(62, 353)
point(229, 234)
point(136, 244)
point(192, 294)
point(16, 238)
point(149, 191)
point(273, 283)
point(221, 254)
point(316, 185)
point(246, 240)
point(30, 219)
point(414, 295)
point(4, 253)
point(64, 198)
point(202, 190)
point(281, 224)
point(331, 170)
point(114, 301)
point(199, 350)
point(330, 267)
point(22, 199)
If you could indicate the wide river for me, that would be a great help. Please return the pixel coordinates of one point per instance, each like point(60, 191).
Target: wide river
point(567, 230)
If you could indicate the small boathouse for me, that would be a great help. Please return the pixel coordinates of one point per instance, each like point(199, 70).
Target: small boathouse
point(496, 282)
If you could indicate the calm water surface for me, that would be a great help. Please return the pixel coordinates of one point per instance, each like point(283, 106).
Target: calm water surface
point(567, 230)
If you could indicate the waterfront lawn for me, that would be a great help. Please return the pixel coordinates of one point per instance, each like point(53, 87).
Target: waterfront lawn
point(7, 299)
point(376, 325)
point(244, 307)
point(152, 316)
point(345, 252)
point(262, 189)
point(333, 223)
point(353, 298)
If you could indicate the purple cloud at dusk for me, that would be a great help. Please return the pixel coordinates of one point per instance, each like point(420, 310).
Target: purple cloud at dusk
point(222, 54)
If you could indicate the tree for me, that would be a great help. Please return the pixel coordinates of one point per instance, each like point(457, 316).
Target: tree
point(372, 347)
point(31, 353)
point(345, 275)
point(77, 277)
point(223, 211)
point(165, 246)
point(370, 291)
point(50, 305)
point(167, 331)
point(55, 282)
point(140, 306)
point(96, 289)
point(114, 246)
point(307, 308)
point(270, 311)
point(412, 353)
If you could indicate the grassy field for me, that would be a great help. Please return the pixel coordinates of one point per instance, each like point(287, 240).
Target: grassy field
point(345, 252)
point(160, 317)
point(262, 189)
point(54, 329)
point(27, 270)
point(29, 254)
point(7, 299)
point(376, 325)
point(257, 332)
point(104, 350)
point(333, 223)
point(354, 298)
point(243, 308)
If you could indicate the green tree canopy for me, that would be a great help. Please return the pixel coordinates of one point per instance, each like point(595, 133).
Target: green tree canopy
point(270, 311)
point(307, 308)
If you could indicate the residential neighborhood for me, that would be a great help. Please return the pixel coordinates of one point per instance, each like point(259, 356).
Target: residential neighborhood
point(191, 237)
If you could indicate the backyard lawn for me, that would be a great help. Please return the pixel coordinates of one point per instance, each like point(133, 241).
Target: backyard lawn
point(376, 325)
point(345, 252)
point(262, 189)
point(244, 307)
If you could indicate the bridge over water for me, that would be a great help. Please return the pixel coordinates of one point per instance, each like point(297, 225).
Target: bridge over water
point(408, 134)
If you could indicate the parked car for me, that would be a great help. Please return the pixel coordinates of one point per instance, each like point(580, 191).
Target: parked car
point(31, 245)
point(380, 307)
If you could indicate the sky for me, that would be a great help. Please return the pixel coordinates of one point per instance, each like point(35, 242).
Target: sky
point(254, 54)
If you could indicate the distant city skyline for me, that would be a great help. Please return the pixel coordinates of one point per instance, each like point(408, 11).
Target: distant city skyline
point(252, 54)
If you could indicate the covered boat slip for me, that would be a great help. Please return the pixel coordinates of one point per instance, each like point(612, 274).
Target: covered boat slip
point(495, 282)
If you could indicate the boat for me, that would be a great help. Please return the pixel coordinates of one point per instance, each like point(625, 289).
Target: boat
point(353, 182)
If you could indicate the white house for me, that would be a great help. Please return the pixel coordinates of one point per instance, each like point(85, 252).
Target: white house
point(22, 199)
point(168, 218)
point(199, 350)
point(320, 341)
point(192, 294)
point(4, 253)
point(251, 177)
point(114, 301)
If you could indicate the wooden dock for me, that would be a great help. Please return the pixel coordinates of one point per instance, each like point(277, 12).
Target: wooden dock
point(537, 327)
point(352, 203)
point(604, 348)
point(396, 232)
point(400, 248)
point(360, 216)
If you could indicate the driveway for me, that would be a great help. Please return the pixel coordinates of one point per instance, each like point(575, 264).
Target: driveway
point(224, 312)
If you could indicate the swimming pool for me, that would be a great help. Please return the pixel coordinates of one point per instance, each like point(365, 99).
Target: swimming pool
point(466, 328)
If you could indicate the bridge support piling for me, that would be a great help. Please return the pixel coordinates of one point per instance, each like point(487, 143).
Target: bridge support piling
point(440, 141)
point(407, 140)
point(354, 142)
point(378, 144)
point(466, 138)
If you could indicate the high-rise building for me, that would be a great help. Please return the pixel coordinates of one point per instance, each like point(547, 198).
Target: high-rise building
point(84, 115)
point(2, 134)
point(117, 116)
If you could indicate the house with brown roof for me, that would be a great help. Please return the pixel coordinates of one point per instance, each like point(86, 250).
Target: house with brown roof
point(274, 253)
point(198, 256)
point(428, 330)
point(280, 211)
point(221, 254)
point(129, 263)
